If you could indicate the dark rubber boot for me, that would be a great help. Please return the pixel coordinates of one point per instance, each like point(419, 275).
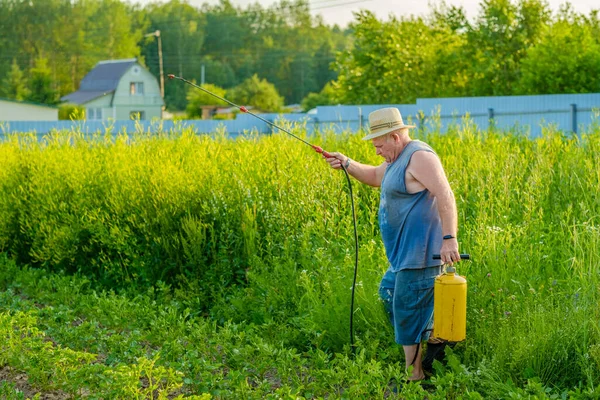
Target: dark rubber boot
point(435, 351)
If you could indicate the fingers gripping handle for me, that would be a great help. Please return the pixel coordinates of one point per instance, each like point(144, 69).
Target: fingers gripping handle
point(318, 149)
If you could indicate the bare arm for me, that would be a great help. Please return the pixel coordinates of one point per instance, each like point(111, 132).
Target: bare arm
point(426, 168)
point(367, 174)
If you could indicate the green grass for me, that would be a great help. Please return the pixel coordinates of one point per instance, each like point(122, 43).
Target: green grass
point(229, 265)
point(67, 336)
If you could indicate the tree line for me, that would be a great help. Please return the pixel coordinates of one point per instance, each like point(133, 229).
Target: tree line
point(283, 54)
point(510, 48)
point(53, 43)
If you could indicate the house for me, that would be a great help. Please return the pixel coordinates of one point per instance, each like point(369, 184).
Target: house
point(294, 108)
point(14, 110)
point(119, 90)
point(209, 111)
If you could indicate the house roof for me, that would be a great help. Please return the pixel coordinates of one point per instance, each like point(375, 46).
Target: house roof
point(83, 96)
point(27, 102)
point(101, 80)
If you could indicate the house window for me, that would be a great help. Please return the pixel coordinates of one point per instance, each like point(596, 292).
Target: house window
point(137, 115)
point(136, 88)
point(94, 113)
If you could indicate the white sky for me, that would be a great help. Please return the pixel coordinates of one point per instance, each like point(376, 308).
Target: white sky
point(340, 11)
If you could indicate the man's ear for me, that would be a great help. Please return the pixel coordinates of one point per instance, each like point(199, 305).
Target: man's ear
point(395, 137)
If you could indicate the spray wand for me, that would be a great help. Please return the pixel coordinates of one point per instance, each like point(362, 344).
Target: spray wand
point(319, 150)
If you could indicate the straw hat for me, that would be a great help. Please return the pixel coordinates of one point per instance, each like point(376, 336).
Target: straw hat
point(385, 120)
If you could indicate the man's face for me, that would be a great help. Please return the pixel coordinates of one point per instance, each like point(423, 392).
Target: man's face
point(384, 145)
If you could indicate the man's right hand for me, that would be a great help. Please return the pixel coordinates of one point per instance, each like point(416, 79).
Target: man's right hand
point(336, 160)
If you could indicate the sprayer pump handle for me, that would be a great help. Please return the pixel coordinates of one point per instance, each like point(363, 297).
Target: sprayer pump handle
point(462, 257)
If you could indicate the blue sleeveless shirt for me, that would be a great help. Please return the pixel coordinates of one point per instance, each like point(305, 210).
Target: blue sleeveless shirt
point(410, 224)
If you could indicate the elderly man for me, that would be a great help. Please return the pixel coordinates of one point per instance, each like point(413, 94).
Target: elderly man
point(417, 218)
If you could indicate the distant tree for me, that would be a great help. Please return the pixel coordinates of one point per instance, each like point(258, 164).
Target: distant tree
point(498, 40)
point(324, 58)
point(443, 55)
point(197, 98)
point(302, 67)
point(41, 84)
point(289, 46)
point(325, 97)
point(566, 60)
point(182, 31)
point(14, 86)
point(258, 93)
point(399, 60)
point(218, 73)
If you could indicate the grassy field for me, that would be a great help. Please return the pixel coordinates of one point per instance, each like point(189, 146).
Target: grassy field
point(174, 266)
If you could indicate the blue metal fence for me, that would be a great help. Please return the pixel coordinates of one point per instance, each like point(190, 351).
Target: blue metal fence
point(569, 113)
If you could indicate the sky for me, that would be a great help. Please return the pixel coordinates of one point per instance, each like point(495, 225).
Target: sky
point(340, 11)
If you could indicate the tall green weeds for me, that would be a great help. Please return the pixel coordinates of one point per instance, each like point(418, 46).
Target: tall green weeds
point(258, 230)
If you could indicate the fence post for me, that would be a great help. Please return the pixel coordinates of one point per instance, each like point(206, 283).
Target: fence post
point(421, 119)
point(574, 118)
point(360, 119)
point(491, 123)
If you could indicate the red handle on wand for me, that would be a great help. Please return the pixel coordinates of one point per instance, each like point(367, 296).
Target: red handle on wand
point(318, 149)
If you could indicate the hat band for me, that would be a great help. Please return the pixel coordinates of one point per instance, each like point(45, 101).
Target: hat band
point(386, 125)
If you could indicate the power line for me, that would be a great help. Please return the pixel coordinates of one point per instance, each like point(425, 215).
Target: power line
point(323, 1)
point(240, 13)
point(204, 55)
point(341, 4)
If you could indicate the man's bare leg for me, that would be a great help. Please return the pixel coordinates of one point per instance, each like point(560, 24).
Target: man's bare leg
point(409, 354)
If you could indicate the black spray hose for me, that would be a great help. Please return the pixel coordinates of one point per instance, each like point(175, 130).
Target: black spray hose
point(318, 149)
point(355, 260)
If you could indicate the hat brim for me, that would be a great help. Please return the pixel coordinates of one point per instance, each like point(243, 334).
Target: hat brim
point(386, 131)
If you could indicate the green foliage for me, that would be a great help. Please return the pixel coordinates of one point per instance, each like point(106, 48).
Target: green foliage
point(289, 47)
point(78, 339)
point(512, 47)
point(219, 73)
point(70, 36)
point(566, 60)
point(71, 112)
point(258, 93)
point(197, 98)
point(40, 83)
point(14, 86)
point(182, 32)
point(325, 97)
point(398, 61)
point(51, 366)
point(496, 44)
point(191, 239)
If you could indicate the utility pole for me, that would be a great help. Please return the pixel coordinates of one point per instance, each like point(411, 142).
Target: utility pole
point(160, 64)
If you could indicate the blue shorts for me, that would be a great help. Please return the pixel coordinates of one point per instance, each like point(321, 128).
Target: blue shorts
point(408, 299)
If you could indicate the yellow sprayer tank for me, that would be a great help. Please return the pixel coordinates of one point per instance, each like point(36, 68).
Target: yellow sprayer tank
point(450, 306)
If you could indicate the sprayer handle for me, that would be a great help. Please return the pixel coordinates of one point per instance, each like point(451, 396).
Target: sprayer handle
point(318, 149)
point(462, 257)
